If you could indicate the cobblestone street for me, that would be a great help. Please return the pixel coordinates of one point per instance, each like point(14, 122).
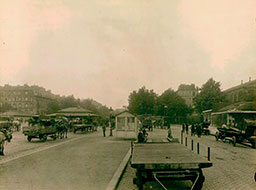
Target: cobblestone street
point(233, 167)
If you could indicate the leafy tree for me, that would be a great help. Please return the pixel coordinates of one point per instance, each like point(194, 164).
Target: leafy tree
point(53, 107)
point(171, 105)
point(210, 96)
point(68, 101)
point(95, 107)
point(142, 101)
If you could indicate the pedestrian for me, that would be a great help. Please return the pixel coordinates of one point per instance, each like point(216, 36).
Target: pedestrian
point(186, 125)
point(192, 129)
point(104, 129)
point(183, 127)
point(198, 130)
point(170, 132)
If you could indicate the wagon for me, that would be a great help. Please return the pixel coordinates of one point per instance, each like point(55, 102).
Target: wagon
point(81, 127)
point(246, 132)
point(41, 130)
point(165, 161)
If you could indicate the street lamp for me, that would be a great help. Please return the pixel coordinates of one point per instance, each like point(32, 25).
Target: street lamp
point(165, 112)
point(110, 124)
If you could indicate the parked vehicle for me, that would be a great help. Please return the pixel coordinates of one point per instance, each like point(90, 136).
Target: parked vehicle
point(41, 129)
point(244, 132)
point(80, 125)
point(165, 161)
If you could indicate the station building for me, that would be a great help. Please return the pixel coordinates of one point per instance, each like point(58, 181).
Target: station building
point(126, 124)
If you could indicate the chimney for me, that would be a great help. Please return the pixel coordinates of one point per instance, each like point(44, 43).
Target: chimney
point(241, 81)
point(250, 78)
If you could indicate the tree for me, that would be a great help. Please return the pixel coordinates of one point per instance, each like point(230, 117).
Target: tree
point(68, 101)
point(210, 96)
point(172, 106)
point(142, 102)
point(95, 107)
point(53, 107)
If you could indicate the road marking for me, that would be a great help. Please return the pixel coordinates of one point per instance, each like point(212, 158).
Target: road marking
point(29, 152)
point(119, 172)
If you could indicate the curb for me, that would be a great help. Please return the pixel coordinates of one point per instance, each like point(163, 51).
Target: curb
point(113, 184)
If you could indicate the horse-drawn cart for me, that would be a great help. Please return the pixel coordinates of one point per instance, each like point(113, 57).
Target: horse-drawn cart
point(41, 130)
point(161, 162)
point(5, 134)
point(82, 127)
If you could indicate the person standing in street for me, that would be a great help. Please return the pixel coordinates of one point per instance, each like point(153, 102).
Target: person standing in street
point(192, 129)
point(186, 125)
point(104, 129)
point(183, 127)
point(198, 130)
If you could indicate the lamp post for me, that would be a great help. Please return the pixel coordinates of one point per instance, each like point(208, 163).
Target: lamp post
point(165, 112)
point(110, 123)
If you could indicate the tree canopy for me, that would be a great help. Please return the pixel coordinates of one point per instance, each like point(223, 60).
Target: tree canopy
point(171, 105)
point(209, 96)
point(168, 104)
point(142, 101)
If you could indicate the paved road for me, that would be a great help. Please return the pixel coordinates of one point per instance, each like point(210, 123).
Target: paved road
point(233, 167)
point(87, 162)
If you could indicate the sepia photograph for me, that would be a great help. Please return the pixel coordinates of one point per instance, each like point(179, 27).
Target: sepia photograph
point(127, 95)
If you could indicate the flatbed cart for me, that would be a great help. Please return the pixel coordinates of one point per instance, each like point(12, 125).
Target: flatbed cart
point(167, 161)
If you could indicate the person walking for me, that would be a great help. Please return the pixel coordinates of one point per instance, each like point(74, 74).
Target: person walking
point(192, 129)
point(104, 129)
point(198, 130)
point(186, 128)
point(183, 128)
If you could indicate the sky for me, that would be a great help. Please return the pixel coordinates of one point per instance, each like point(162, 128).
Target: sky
point(105, 49)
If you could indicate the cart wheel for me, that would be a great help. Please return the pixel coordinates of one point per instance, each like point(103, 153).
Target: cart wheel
point(217, 136)
point(44, 138)
point(234, 141)
point(29, 138)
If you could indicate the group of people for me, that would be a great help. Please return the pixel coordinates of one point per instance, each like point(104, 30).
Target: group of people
point(110, 124)
point(142, 135)
point(196, 129)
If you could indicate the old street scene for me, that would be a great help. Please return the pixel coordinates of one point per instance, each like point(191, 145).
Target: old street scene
point(127, 95)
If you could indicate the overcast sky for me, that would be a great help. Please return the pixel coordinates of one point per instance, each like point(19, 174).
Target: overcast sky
point(104, 49)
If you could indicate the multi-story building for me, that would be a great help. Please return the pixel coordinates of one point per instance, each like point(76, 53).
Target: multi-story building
point(245, 92)
point(28, 99)
point(187, 92)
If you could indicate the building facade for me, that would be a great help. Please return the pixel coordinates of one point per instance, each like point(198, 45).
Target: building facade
point(245, 92)
point(187, 92)
point(28, 99)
